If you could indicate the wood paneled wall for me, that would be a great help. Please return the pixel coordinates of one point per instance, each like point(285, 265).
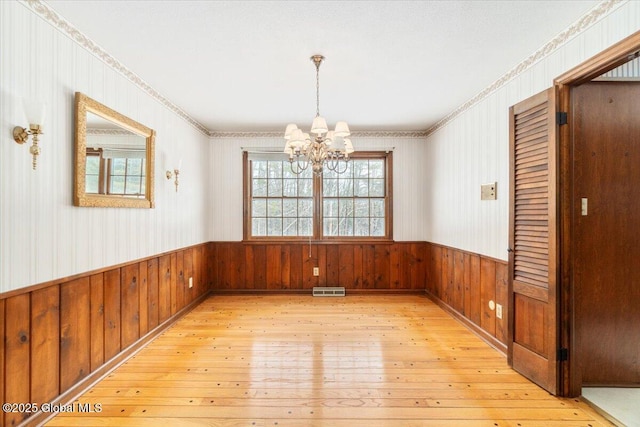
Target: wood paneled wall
point(251, 267)
point(465, 283)
point(56, 334)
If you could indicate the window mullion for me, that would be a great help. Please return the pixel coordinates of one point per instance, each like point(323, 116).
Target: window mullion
point(317, 206)
point(109, 175)
point(102, 175)
point(126, 174)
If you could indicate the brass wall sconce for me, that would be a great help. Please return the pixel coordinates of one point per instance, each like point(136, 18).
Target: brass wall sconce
point(35, 116)
point(175, 173)
point(172, 172)
point(21, 135)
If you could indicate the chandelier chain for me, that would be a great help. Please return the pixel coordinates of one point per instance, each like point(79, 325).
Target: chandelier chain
point(318, 89)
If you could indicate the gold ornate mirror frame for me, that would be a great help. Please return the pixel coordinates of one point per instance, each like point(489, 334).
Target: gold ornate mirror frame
point(83, 106)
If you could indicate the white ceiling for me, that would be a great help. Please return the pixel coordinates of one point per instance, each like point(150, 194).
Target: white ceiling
point(391, 65)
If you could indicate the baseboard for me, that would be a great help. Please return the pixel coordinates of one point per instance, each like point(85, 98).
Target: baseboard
point(308, 292)
point(384, 292)
point(260, 291)
point(69, 396)
point(484, 335)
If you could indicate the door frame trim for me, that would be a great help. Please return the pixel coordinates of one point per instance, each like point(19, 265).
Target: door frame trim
point(610, 58)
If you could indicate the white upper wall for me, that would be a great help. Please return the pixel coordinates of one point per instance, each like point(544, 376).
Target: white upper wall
point(408, 178)
point(42, 235)
point(473, 148)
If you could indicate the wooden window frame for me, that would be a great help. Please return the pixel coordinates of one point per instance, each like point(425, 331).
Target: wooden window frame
point(318, 236)
point(98, 153)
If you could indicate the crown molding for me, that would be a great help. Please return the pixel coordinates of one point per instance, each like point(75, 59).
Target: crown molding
point(390, 134)
point(590, 18)
point(355, 134)
point(217, 134)
point(43, 10)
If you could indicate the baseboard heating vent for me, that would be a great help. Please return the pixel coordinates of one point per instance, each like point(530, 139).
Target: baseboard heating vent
point(328, 291)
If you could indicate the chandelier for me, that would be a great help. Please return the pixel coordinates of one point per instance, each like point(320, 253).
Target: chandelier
point(323, 148)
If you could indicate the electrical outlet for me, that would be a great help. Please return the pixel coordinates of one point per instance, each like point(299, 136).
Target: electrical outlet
point(499, 311)
point(488, 191)
point(190, 282)
point(316, 271)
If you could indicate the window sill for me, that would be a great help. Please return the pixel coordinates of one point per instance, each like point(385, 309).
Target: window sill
point(380, 241)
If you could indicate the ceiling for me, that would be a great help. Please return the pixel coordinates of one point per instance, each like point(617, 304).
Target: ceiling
point(391, 65)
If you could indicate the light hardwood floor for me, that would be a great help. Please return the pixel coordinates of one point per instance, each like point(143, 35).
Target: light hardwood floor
point(303, 361)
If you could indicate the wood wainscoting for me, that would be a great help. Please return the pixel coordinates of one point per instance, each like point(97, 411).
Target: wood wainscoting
point(62, 335)
point(288, 267)
point(464, 284)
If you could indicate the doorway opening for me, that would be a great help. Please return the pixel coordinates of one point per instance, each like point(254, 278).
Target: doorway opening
point(600, 201)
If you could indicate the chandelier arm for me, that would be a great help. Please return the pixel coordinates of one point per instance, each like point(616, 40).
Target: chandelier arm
point(333, 164)
point(299, 169)
point(330, 164)
point(346, 166)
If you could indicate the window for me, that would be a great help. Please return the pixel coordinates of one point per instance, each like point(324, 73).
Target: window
point(106, 174)
point(354, 204)
point(93, 172)
point(281, 201)
point(126, 176)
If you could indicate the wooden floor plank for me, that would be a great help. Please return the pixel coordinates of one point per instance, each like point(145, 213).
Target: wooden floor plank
point(324, 393)
point(342, 402)
point(353, 412)
point(263, 422)
point(304, 361)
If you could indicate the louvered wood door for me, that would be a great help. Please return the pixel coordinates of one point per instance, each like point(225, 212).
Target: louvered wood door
point(533, 318)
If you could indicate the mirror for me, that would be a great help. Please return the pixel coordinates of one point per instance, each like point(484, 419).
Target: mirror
point(114, 158)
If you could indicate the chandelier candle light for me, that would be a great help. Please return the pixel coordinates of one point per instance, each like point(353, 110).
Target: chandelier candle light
point(323, 148)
